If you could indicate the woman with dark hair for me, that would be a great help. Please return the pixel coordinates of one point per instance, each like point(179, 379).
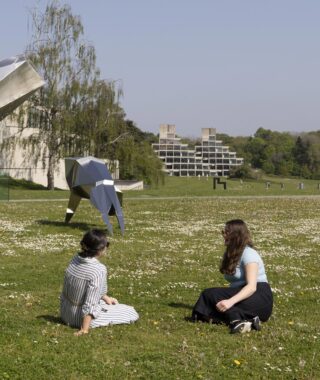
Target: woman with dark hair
point(84, 302)
point(249, 299)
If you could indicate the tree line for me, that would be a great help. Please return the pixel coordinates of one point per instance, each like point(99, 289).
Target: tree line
point(278, 153)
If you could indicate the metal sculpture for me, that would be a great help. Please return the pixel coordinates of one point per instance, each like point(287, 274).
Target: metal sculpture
point(217, 181)
point(18, 81)
point(88, 177)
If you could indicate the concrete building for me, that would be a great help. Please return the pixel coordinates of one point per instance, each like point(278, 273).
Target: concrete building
point(21, 162)
point(210, 158)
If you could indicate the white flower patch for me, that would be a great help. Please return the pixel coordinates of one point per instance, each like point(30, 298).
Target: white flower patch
point(7, 225)
point(191, 227)
point(49, 243)
point(8, 252)
point(8, 284)
point(183, 285)
point(139, 273)
point(307, 226)
point(24, 296)
point(286, 251)
point(188, 261)
point(282, 292)
point(312, 289)
point(315, 239)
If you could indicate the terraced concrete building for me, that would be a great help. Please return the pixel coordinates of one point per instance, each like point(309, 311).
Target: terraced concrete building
point(211, 158)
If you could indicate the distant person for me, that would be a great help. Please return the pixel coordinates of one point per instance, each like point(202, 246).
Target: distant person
point(84, 302)
point(249, 299)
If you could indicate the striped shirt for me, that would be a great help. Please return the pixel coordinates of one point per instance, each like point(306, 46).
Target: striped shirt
point(84, 285)
point(85, 282)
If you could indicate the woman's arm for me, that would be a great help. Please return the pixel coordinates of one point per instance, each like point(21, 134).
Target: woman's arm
point(85, 325)
point(251, 272)
point(91, 307)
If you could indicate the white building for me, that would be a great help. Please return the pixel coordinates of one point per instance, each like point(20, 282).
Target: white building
point(21, 163)
point(211, 158)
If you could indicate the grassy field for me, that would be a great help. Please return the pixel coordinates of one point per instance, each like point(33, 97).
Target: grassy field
point(193, 186)
point(178, 187)
point(169, 253)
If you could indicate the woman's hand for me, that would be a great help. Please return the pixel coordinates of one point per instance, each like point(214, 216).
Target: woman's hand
point(110, 300)
point(224, 305)
point(85, 325)
point(81, 332)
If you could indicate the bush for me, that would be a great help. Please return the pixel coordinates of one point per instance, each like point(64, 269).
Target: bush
point(243, 172)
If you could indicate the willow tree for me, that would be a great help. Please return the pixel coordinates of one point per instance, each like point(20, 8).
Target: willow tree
point(100, 120)
point(67, 64)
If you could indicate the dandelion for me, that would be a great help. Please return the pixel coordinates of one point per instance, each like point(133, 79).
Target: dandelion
point(236, 362)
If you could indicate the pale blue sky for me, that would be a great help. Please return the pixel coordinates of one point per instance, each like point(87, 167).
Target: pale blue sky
point(234, 65)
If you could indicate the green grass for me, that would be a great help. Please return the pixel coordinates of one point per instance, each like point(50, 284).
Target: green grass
point(4, 188)
point(169, 253)
point(22, 189)
point(183, 187)
point(193, 186)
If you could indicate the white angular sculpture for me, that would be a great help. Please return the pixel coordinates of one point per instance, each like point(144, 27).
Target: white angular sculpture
point(18, 81)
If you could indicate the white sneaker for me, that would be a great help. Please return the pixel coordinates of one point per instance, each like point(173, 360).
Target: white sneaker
point(240, 327)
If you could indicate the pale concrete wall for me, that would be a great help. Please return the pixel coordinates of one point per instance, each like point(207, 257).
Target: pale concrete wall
point(129, 185)
point(19, 163)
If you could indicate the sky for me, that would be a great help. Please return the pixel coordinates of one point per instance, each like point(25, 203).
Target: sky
point(233, 65)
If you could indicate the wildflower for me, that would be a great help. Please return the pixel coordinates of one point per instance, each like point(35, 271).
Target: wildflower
point(290, 323)
point(237, 362)
point(302, 363)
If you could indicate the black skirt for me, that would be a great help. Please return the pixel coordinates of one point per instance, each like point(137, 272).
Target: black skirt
point(259, 304)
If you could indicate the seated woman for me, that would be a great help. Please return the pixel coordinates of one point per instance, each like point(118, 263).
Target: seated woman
point(84, 302)
point(249, 299)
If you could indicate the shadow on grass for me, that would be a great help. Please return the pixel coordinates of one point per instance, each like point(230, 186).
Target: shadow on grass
point(78, 226)
point(180, 305)
point(51, 318)
point(25, 185)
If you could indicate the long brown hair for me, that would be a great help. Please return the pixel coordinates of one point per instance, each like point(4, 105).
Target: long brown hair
point(237, 237)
